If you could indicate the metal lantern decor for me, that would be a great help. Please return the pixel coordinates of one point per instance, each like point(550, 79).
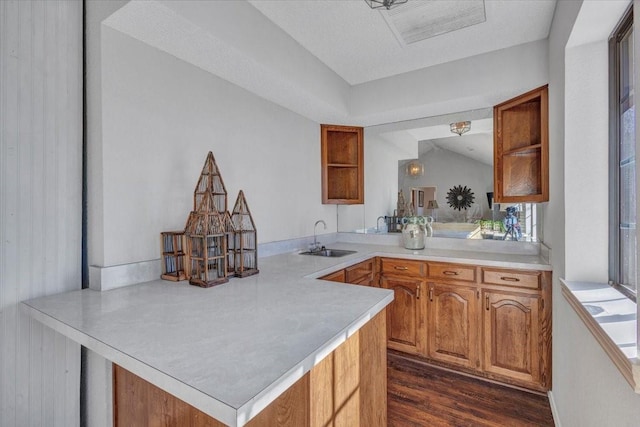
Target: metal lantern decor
point(207, 245)
point(245, 246)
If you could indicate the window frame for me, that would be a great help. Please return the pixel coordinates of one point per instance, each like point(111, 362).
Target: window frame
point(620, 32)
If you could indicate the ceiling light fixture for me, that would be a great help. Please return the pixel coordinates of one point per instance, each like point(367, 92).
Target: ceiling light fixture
point(460, 127)
point(387, 4)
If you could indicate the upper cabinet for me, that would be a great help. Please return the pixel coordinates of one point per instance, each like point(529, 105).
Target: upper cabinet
point(521, 148)
point(342, 165)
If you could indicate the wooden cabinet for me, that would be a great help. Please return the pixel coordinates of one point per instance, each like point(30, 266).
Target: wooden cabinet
point(363, 273)
point(511, 335)
point(452, 325)
point(488, 321)
point(521, 148)
point(516, 326)
point(336, 276)
point(342, 150)
point(406, 315)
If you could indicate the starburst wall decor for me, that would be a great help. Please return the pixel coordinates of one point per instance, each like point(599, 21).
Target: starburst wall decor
point(460, 198)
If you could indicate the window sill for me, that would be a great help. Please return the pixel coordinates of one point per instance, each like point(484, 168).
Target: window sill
point(612, 319)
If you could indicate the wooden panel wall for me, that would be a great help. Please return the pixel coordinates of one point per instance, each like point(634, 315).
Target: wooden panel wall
point(40, 205)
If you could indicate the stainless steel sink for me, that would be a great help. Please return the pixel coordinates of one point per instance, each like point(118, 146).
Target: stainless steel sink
point(333, 253)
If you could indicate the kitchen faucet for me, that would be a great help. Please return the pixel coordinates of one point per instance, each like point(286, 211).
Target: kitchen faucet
point(315, 242)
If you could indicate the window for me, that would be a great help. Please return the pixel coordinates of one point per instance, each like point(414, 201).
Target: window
point(622, 165)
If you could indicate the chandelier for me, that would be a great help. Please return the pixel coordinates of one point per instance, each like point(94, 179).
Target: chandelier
point(388, 4)
point(460, 127)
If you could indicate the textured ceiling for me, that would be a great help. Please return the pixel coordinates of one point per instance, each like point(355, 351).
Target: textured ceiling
point(359, 45)
point(307, 55)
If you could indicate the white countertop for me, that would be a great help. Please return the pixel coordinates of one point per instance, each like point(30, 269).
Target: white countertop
point(232, 349)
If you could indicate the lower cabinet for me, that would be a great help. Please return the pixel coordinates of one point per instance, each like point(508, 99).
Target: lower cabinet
point(363, 273)
point(405, 315)
point(492, 322)
point(511, 335)
point(452, 326)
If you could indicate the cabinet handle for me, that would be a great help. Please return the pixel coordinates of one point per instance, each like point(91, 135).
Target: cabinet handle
point(431, 294)
point(450, 273)
point(418, 292)
point(509, 279)
point(401, 267)
point(486, 302)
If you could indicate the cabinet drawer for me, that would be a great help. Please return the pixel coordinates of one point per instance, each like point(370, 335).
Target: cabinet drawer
point(465, 273)
point(403, 267)
point(518, 278)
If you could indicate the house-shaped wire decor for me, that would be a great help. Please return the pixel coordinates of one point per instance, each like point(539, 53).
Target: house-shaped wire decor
point(207, 244)
point(230, 237)
point(211, 182)
point(214, 243)
point(174, 256)
point(245, 243)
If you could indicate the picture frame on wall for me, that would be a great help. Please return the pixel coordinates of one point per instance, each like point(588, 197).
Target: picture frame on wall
point(420, 199)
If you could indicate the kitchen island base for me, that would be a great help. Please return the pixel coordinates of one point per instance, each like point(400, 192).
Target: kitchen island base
point(347, 388)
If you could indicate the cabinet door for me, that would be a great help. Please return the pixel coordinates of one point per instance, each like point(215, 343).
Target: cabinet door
point(405, 315)
point(453, 326)
point(511, 336)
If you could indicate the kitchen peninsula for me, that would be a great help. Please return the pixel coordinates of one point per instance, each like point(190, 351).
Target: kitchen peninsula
point(235, 350)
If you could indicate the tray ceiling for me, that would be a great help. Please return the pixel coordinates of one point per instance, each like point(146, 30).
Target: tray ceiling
point(362, 45)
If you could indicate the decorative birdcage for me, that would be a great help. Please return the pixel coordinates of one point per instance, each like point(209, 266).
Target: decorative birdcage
point(207, 244)
point(174, 256)
point(230, 237)
point(211, 182)
point(214, 243)
point(245, 243)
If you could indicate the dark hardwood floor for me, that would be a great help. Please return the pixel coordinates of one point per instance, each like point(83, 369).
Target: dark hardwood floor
point(423, 395)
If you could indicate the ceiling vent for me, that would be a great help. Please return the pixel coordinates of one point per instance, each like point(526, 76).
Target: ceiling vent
point(420, 20)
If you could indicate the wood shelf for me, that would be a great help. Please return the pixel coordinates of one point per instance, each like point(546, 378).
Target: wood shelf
point(342, 150)
point(521, 148)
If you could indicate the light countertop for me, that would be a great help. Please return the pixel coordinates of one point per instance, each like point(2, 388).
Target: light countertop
point(232, 349)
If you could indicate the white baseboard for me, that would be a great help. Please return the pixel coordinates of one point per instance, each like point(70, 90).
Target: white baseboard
point(117, 276)
point(554, 409)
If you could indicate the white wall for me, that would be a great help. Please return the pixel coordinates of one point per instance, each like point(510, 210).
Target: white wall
point(586, 165)
point(587, 388)
point(40, 206)
point(381, 177)
point(160, 117)
point(445, 169)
